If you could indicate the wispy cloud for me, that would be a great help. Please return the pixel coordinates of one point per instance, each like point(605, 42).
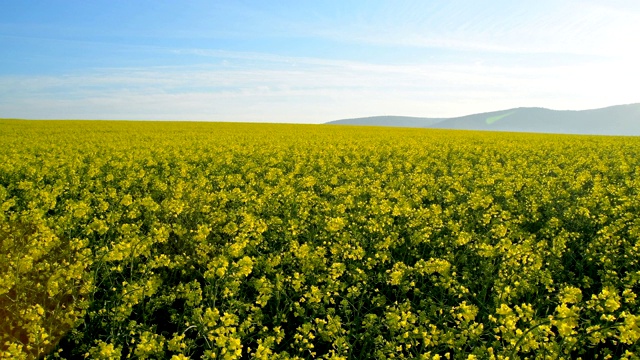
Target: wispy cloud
point(299, 89)
point(569, 27)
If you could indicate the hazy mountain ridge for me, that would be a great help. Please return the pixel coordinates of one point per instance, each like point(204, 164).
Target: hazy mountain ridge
point(396, 121)
point(613, 120)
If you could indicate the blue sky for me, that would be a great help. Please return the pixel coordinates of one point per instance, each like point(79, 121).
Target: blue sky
point(313, 61)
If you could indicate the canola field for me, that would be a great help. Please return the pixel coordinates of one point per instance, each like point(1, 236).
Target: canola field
point(238, 241)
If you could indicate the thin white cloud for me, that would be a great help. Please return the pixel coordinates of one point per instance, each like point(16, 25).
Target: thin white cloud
point(298, 89)
point(594, 28)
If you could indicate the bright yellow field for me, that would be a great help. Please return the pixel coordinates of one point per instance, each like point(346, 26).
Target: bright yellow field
point(190, 240)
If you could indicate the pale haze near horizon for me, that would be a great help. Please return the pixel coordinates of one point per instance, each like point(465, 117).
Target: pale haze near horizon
point(313, 62)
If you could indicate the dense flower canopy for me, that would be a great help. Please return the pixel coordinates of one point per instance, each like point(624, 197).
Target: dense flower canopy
point(190, 240)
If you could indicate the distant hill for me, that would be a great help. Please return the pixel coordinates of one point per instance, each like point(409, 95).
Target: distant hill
point(613, 120)
point(397, 121)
